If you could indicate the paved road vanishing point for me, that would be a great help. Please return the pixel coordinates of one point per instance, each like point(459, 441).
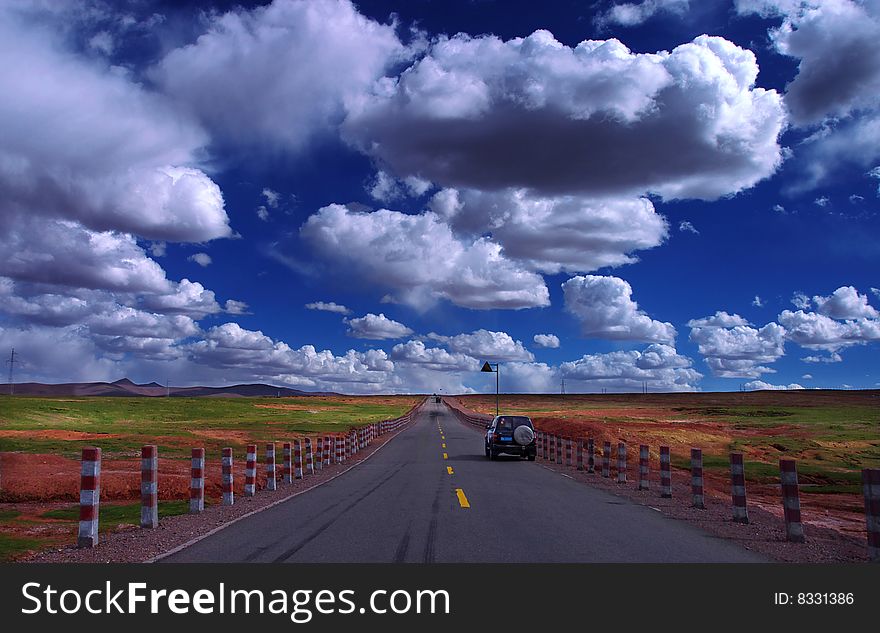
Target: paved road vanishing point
point(430, 495)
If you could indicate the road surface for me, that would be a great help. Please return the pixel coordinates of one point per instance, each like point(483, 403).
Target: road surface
point(430, 495)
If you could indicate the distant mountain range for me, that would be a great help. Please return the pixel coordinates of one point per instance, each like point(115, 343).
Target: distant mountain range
point(126, 387)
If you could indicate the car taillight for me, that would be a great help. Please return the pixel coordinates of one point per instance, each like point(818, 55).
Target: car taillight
point(496, 437)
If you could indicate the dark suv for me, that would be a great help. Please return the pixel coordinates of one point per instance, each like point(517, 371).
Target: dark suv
point(511, 434)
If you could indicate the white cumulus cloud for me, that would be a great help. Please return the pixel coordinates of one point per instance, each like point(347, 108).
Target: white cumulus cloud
point(202, 259)
point(732, 349)
point(636, 13)
point(845, 303)
point(758, 385)
point(376, 327)
point(556, 233)
point(546, 340)
point(279, 74)
point(486, 345)
point(434, 358)
point(605, 309)
point(482, 113)
point(661, 366)
point(328, 306)
point(419, 259)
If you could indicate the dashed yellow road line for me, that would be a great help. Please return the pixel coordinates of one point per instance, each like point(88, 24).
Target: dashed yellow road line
point(449, 470)
point(444, 445)
point(445, 456)
point(462, 499)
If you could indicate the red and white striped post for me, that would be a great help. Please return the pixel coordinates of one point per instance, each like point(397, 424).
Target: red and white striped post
point(559, 456)
point(539, 444)
point(738, 488)
point(568, 451)
point(552, 451)
point(89, 497)
point(227, 481)
point(297, 459)
point(327, 451)
point(791, 501)
point(621, 462)
point(606, 459)
point(591, 455)
point(665, 473)
point(579, 454)
point(149, 487)
point(318, 460)
point(310, 465)
point(287, 466)
point(546, 447)
point(347, 440)
point(871, 491)
point(339, 455)
point(271, 483)
point(250, 471)
point(644, 467)
point(697, 500)
point(197, 481)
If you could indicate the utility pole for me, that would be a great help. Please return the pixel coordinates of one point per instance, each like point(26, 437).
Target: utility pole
point(563, 387)
point(11, 363)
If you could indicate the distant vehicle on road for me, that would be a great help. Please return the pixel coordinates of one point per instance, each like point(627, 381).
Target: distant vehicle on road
point(511, 434)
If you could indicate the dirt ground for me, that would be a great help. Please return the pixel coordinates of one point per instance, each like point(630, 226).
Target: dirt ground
point(50, 478)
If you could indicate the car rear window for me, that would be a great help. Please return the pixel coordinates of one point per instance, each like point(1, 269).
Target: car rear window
point(510, 422)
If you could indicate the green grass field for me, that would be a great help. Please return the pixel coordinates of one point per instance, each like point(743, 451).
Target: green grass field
point(51, 425)
point(12, 545)
point(114, 515)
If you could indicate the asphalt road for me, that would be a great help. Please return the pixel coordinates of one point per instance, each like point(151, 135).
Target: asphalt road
point(407, 503)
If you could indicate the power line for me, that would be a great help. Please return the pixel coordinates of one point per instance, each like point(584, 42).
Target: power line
point(11, 363)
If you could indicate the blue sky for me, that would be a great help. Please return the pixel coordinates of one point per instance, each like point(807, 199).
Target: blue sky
point(377, 196)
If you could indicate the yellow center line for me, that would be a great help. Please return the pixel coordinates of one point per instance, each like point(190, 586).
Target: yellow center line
point(445, 456)
point(462, 499)
point(442, 437)
point(449, 470)
point(444, 445)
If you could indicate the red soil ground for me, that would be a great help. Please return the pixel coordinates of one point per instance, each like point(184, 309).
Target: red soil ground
point(43, 477)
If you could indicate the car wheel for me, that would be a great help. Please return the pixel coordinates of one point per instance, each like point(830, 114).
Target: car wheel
point(531, 458)
point(493, 455)
point(487, 452)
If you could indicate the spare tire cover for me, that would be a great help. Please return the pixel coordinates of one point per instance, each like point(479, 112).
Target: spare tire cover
point(523, 435)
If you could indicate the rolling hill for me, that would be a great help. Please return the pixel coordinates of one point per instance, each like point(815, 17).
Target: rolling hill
point(127, 388)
